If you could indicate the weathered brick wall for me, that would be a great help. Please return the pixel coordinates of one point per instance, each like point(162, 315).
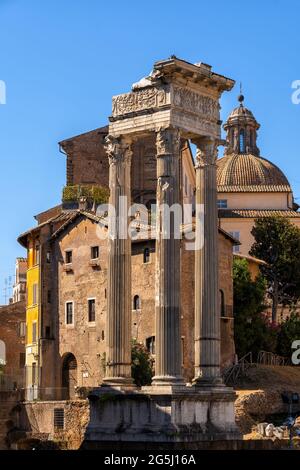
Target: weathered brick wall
point(10, 318)
point(87, 162)
point(37, 419)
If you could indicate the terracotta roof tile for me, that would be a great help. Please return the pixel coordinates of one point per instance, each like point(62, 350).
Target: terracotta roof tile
point(249, 173)
point(255, 213)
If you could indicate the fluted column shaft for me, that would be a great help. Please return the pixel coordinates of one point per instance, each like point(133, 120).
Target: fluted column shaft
point(167, 295)
point(118, 324)
point(207, 319)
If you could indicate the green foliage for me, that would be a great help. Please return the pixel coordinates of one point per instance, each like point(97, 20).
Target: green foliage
point(142, 364)
point(289, 331)
point(252, 330)
point(277, 242)
point(97, 193)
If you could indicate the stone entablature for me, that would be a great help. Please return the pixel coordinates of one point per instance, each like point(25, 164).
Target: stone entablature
point(176, 94)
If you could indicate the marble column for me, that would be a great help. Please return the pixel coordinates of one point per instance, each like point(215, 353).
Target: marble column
point(207, 317)
point(167, 295)
point(118, 327)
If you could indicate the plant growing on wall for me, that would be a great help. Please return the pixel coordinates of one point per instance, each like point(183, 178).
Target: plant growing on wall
point(141, 364)
point(97, 194)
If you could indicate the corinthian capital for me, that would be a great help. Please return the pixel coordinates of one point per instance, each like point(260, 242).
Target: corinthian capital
point(167, 141)
point(118, 150)
point(207, 151)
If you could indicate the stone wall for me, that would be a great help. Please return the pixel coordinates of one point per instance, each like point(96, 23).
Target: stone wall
point(37, 420)
point(11, 316)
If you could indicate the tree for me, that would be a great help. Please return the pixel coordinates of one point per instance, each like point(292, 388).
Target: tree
point(252, 331)
point(289, 331)
point(141, 364)
point(277, 242)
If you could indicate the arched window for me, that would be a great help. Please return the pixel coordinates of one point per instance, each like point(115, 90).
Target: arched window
point(146, 255)
point(2, 353)
point(242, 141)
point(136, 302)
point(222, 303)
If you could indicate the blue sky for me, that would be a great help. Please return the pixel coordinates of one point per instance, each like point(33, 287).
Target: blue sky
point(62, 61)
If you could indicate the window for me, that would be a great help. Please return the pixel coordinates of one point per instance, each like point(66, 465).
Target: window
point(94, 252)
point(22, 360)
point(92, 310)
point(146, 255)
point(34, 331)
point(22, 329)
point(58, 418)
point(37, 254)
point(102, 335)
point(35, 294)
point(222, 203)
point(242, 141)
point(48, 257)
point(49, 296)
point(150, 344)
point(236, 235)
point(136, 302)
point(69, 313)
point(68, 255)
point(222, 303)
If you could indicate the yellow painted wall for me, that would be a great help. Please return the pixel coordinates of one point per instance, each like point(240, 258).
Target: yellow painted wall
point(32, 310)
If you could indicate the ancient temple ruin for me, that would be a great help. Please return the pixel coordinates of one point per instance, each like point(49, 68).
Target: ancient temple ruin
point(178, 101)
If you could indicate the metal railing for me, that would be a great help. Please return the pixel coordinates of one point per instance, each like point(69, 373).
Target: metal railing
point(270, 359)
point(232, 373)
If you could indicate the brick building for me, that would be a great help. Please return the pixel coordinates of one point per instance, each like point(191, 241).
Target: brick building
point(12, 346)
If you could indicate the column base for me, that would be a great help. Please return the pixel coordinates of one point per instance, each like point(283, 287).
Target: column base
point(208, 382)
point(165, 384)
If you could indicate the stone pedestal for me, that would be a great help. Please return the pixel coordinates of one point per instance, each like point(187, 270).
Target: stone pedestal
point(186, 417)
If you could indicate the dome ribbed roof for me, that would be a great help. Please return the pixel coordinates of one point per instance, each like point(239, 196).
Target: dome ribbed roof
point(249, 173)
point(241, 111)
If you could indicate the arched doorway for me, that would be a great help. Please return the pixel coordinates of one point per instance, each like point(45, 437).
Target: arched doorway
point(69, 376)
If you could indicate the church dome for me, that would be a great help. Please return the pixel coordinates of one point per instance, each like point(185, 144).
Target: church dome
point(249, 173)
point(242, 169)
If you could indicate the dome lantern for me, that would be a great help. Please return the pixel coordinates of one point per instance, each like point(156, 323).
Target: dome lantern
point(241, 128)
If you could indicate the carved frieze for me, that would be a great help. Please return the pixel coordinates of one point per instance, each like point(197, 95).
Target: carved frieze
point(139, 100)
point(194, 102)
